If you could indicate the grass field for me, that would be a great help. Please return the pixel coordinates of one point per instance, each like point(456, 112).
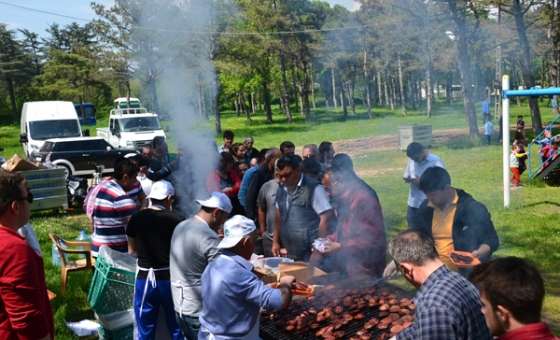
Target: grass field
point(529, 229)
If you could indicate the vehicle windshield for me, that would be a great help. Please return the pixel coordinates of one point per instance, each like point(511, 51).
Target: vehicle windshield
point(139, 124)
point(47, 129)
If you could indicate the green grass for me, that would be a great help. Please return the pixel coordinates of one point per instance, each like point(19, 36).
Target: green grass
point(529, 229)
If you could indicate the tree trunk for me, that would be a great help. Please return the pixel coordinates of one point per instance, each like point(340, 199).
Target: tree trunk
point(379, 91)
point(284, 95)
point(343, 103)
point(401, 85)
point(367, 81)
point(312, 87)
point(253, 103)
point(429, 90)
point(393, 93)
point(12, 94)
point(236, 105)
point(465, 66)
point(153, 94)
point(449, 88)
point(333, 83)
point(386, 91)
point(217, 113)
point(526, 63)
point(267, 101)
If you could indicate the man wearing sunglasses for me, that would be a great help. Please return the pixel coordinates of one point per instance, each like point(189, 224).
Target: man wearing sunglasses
point(25, 312)
point(447, 305)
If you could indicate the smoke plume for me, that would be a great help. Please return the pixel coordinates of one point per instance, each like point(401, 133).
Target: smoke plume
point(176, 43)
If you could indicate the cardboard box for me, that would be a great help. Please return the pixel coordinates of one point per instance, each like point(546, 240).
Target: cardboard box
point(302, 271)
point(16, 163)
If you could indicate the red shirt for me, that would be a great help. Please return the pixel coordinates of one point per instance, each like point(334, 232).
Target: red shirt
point(533, 331)
point(360, 229)
point(25, 311)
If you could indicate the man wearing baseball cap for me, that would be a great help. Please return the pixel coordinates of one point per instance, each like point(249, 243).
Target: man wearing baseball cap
point(149, 234)
point(233, 294)
point(194, 244)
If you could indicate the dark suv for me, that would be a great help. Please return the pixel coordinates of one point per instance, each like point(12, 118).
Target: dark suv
point(80, 156)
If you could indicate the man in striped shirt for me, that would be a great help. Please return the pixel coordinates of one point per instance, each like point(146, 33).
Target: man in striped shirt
point(113, 208)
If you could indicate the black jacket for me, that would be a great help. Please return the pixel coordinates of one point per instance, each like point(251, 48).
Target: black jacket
point(472, 225)
point(261, 176)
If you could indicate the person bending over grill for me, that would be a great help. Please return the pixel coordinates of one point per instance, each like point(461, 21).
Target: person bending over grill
point(303, 210)
point(447, 305)
point(454, 219)
point(193, 245)
point(149, 234)
point(512, 294)
point(359, 245)
point(233, 294)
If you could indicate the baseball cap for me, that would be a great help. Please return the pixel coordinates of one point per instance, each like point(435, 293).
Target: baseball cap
point(217, 200)
point(235, 229)
point(161, 190)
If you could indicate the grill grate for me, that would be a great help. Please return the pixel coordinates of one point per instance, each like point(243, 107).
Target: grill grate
point(273, 325)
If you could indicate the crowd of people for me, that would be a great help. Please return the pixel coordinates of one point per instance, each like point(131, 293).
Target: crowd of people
point(196, 269)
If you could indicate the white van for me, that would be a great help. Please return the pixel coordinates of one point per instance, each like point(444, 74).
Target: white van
point(45, 120)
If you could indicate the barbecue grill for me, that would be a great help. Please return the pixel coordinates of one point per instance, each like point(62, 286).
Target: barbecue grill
point(273, 326)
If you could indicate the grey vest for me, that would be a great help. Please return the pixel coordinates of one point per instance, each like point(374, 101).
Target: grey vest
point(300, 223)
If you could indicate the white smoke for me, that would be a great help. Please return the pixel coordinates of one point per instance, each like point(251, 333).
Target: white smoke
point(179, 41)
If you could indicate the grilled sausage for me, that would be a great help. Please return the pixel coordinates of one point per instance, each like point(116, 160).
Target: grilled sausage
point(396, 329)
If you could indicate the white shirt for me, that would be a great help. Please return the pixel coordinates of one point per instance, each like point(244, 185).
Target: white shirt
point(488, 128)
point(320, 201)
point(414, 170)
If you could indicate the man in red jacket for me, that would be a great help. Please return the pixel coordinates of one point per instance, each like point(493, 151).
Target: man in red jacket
point(359, 244)
point(25, 312)
point(512, 294)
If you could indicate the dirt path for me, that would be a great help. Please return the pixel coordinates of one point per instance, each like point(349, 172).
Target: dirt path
point(359, 146)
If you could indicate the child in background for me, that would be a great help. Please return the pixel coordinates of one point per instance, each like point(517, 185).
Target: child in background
point(488, 130)
point(546, 144)
point(517, 162)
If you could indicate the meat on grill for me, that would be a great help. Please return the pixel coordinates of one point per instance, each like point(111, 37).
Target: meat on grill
point(349, 314)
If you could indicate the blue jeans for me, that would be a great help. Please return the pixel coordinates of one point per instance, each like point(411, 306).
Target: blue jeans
point(156, 297)
point(190, 325)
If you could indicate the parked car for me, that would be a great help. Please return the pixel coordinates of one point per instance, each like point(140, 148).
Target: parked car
point(80, 156)
point(131, 125)
point(45, 120)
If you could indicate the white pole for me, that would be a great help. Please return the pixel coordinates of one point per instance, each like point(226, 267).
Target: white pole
point(505, 140)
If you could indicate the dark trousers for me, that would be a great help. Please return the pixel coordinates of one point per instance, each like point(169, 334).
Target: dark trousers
point(189, 325)
point(488, 139)
point(146, 311)
point(413, 218)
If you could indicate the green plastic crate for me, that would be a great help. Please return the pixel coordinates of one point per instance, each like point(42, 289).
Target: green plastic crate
point(111, 289)
point(125, 333)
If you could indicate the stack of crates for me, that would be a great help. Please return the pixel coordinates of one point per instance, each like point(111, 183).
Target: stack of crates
point(110, 297)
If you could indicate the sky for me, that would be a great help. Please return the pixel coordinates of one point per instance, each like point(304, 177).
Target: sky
point(17, 18)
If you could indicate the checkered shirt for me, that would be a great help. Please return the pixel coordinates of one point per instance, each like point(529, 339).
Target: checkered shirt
point(447, 307)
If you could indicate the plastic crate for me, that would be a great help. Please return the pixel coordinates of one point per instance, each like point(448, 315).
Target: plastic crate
point(125, 333)
point(111, 289)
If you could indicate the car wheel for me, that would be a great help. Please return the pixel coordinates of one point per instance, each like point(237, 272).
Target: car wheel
point(67, 170)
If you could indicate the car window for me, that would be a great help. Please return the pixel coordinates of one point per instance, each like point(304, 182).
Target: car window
point(97, 145)
point(66, 146)
point(46, 129)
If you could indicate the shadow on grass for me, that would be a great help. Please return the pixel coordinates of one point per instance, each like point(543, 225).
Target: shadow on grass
point(540, 203)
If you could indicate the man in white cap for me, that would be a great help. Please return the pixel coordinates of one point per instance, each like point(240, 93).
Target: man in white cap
point(149, 234)
point(233, 294)
point(194, 244)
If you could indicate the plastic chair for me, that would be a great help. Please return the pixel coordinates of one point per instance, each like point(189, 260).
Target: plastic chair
point(65, 248)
